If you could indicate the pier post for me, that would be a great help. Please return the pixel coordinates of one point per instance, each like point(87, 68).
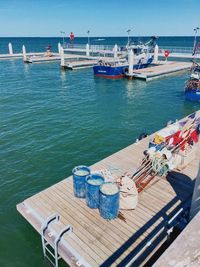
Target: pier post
point(59, 46)
point(130, 62)
point(10, 49)
point(156, 48)
point(24, 53)
point(115, 51)
point(87, 50)
point(62, 57)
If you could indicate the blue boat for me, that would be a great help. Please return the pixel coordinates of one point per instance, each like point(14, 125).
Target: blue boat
point(117, 68)
point(192, 89)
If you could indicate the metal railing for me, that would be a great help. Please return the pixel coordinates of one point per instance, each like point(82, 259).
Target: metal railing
point(92, 47)
point(172, 49)
point(178, 50)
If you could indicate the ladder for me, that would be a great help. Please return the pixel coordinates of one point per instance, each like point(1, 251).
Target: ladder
point(51, 251)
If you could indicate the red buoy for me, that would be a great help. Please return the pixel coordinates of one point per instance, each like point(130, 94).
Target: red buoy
point(166, 53)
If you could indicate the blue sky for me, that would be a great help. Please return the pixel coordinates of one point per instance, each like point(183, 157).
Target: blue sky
point(101, 17)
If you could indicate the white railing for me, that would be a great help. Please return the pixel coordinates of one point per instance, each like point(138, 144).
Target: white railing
point(178, 50)
point(75, 46)
point(172, 49)
point(92, 47)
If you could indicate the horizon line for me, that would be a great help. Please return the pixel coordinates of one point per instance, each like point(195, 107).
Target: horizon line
point(125, 36)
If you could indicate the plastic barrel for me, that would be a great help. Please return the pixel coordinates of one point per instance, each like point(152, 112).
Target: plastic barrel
point(80, 174)
point(93, 182)
point(109, 201)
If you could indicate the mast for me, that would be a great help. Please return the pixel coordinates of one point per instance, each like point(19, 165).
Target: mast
point(195, 40)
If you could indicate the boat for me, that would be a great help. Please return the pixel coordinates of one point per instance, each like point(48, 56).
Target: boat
point(117, 68)
point(192, 88)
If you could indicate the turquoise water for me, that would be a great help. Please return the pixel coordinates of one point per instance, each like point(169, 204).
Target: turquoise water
point(52, 121)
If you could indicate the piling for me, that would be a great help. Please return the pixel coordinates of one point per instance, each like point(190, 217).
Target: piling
point(24, 53)
point(10, 49)
point(62, 57)
point(59, 46)
point(130, 62)
point(115, 51)
point(87, 50)
point(156, 48)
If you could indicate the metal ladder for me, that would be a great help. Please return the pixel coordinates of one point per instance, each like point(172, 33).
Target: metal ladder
point(54, 258)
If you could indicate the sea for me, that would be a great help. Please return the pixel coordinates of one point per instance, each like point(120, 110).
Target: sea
point(52, 120)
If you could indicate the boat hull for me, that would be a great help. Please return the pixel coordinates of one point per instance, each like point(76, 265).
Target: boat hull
point(115, 72)
point(192, 95)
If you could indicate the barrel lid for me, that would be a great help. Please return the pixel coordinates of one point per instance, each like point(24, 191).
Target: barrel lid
point(95, 179)
point(81, 170)
point(109, 188)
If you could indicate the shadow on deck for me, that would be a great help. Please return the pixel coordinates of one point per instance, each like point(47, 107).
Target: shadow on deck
point(183, 187)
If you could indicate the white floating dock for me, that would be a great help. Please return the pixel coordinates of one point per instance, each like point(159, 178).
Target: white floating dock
point(161, 70)
point(19, 55)
point(79, 64)
point(42, 58)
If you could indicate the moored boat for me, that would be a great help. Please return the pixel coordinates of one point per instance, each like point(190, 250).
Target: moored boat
point(192, 89)
point(117, 68)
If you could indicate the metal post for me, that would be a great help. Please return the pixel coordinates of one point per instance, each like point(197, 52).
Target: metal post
point(88, 32)
point(10, 49)
point(128, 31)
point(63, 37)
point(195, 39)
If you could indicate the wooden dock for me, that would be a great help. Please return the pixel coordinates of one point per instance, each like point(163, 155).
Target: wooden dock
point(79, 64)
point(133, 236)
point(19, 55)
point(161, 70)
point(42, 58)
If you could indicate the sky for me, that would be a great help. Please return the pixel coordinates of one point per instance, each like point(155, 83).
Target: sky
point(44, 18)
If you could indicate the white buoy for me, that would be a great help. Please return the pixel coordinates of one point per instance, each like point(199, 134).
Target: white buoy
point(115, 51)
point(59, 46)
point(87, 50)
point(10, 49)
point(156, 48)
point(130, 62)
point(24, 53)
point(62, 57)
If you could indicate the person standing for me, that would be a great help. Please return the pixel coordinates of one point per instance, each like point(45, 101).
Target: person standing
point(71, 38)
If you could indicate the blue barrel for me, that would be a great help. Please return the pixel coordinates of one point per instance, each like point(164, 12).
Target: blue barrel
point(109, 201)
point(80, 174)
point(93, 182)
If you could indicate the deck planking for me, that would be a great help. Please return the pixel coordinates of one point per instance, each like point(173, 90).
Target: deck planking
point(161, 70)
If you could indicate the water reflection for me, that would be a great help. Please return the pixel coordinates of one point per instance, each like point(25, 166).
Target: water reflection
point(26, 68)
point(63, 76)
point(135, 88)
